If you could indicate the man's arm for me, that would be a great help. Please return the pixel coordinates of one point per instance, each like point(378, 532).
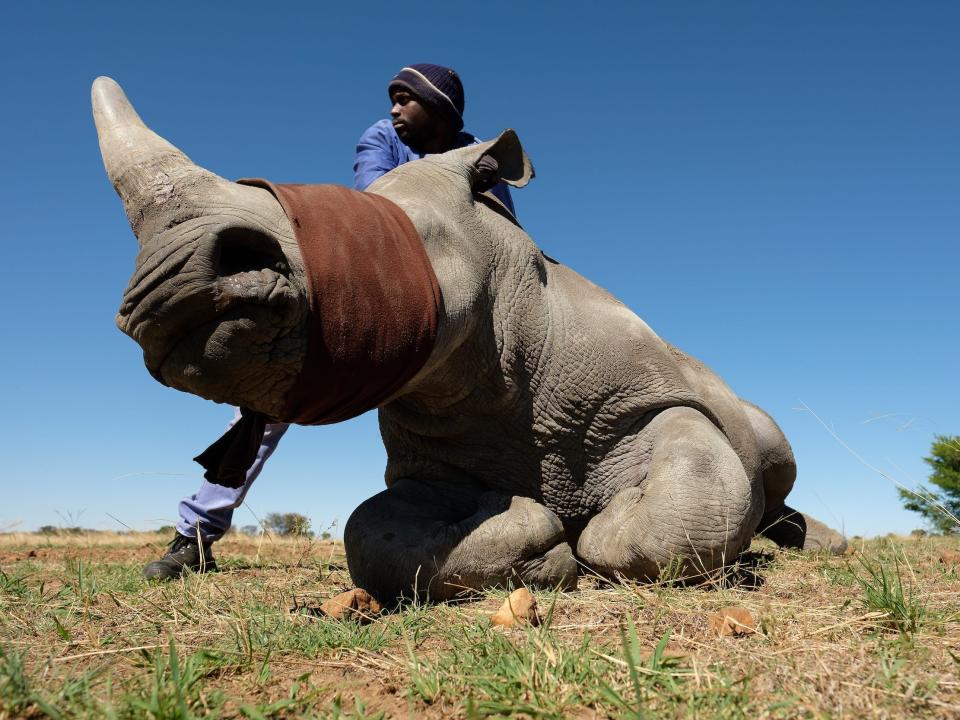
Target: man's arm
point(375, 155)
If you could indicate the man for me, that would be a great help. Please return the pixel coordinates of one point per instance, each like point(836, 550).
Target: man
point(426, 117)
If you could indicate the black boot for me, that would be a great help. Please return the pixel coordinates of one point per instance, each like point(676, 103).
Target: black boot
point(184, 552)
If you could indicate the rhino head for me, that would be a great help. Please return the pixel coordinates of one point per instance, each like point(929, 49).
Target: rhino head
point(217, 300)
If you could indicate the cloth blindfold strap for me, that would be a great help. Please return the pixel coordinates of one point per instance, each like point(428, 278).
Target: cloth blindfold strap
point(227, 461)
point(374, 305)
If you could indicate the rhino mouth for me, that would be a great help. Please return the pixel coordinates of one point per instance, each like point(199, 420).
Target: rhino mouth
point(180, 295)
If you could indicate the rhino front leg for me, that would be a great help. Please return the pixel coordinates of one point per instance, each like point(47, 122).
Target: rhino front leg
point(436, 541)
point(696, 504)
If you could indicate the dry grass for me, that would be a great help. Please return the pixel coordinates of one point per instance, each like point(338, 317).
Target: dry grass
point(81, 635)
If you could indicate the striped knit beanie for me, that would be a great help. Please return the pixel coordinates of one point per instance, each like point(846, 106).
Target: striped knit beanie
point(437, 86)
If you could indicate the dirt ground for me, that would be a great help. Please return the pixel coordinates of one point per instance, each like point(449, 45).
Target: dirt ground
point(875, 633)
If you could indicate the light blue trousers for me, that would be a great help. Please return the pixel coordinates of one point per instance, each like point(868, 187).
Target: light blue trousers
point(209, 511)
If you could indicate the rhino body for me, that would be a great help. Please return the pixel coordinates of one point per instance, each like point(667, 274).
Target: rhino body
point(550, 426)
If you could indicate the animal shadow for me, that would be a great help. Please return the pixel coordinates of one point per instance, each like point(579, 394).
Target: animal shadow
point(745, 573)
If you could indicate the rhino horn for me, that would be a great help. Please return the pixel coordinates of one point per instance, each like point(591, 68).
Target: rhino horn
point(145, 170)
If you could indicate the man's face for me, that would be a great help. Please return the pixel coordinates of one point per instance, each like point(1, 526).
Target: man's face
point(414, 123)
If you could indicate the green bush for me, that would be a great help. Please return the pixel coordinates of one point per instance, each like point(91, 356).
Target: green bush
point(941, 506)
point(293, 524)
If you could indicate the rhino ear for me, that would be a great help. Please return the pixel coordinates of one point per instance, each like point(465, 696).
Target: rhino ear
point(513, 165)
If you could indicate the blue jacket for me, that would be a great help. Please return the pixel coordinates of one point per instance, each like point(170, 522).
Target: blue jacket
point(380, 150)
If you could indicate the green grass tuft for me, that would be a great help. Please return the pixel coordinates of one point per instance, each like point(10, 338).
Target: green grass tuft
point(885, 592)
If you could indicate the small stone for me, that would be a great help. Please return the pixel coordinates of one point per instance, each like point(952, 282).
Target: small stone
point(950, 557)
point(519, 607)
point(733, 621)
point(357, 604)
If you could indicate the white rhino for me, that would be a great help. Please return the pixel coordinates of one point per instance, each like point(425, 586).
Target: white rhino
point(549, 426)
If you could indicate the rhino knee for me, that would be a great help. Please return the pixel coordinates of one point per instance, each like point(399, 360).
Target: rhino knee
point(696, 505)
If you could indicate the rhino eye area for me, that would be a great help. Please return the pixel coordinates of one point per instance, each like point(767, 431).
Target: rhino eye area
point(242, 250)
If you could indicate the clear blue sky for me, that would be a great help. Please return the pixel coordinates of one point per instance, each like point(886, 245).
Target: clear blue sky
point(772, 186)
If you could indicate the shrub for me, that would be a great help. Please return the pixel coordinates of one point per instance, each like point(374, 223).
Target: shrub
point(292, 524)
point(940, 507)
